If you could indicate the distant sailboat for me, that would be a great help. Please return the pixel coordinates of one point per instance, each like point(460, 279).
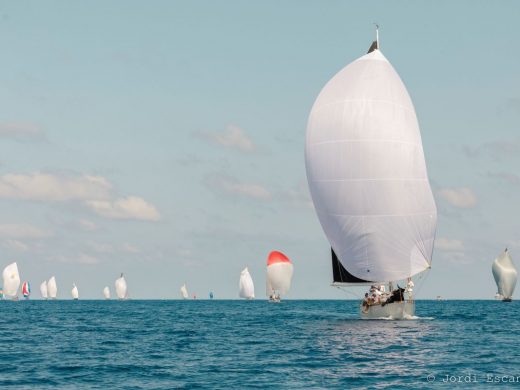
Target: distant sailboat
point(246, 287)
point(52, 288)
point(26, 289)
point(11, 281)
point(74, 292)
point(184, 292)
point(121, 288)
point(505, 275)
point(279, 275)
point(43, 290)
point(106, 292)
point(369, 184)
point(211, 295)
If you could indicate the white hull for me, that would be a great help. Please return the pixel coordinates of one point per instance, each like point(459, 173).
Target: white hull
point(395, 311)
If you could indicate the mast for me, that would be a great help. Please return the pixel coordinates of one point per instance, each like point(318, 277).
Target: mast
point(375, 44)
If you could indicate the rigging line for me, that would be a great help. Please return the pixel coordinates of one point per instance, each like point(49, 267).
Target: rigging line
point(424, 276)
point(347, 292)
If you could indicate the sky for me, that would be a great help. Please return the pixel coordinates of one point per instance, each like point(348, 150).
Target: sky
point(165, 139)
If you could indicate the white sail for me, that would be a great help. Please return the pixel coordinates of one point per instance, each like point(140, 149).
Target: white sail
point(279, 278)
point(75, 292)
point(184, 292)
point(43, 289)
point(121, 288)
point(505, 275)
point(367, 173)
point(52, 288)
point(106, 292)
point(246, 287)
point(279, 274)
point(11, 280)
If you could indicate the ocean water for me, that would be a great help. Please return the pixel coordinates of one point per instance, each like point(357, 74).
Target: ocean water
point(239, 345)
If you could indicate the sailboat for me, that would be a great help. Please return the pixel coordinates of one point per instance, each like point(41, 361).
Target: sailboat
point(184, 292)
point(279, 275)
point(52, 288)
point(121, 288)
point(505, 275)
point(43, 290)
point(11, 281)
point(74, 292)
point(26, 289)
point(369, 184)
point(246, 287)
point(106, 292)
point(211, 295)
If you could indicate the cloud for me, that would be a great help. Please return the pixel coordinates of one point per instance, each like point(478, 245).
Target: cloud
point(87, 225)
point(131, 207)
point(231, 186)
point(128, 248)
point(104, 248)
point(449, 245)
point(15, 245)
point(496, 150)
point(21, 131)
point(233, 138)
point(81, 258)
point(510, 178)
point(297, 196)
point(463, 198)
point(52, 187)
point(18, 231)
point(94, 191)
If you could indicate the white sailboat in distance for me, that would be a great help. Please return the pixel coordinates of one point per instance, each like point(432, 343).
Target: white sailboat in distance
point(184, 292)
point(505, 275)
point(279, 276)
point(121, 288)
point(11, 281)
point(43, 290)
point(246, 287)
point(106, 292)
point(74, 292)
point(367, 176)
point(52, 288)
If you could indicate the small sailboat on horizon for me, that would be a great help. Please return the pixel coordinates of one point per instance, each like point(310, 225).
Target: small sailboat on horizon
point(11, 279)
point(26, 289)
point(43, 290)
point(279, 276)
point(246, 287)
point(184, 292)
point(52, 288)
point(505, 274)
point(121, 287)
point(106, 292)
point(74, 292)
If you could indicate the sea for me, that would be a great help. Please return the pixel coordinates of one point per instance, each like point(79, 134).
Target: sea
point(231, 344)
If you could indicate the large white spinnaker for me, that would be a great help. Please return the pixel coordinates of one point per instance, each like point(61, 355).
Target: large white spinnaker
point(279, 274)
point(246, 287)
point(121, 288)
point(367, 174)
point(52, 288)
point(74, 292)
point(11, 281)
point(106, 292)
point(505, 275)
point(184, 292)
point(43, 290)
